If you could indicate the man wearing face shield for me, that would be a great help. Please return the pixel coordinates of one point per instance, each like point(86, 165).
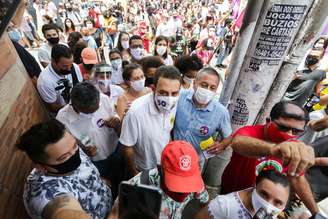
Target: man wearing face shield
point(62, 171)
point(147, 124)
point(272, 143)
point(207, 120)
point(103, 82)
point(269, 196)
point(57, 79)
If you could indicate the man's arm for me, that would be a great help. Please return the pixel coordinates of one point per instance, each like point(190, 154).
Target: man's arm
point(319, 125)
point(298, 156)
point(302, 188)
point(128, 154)
point(54, 107)
point(64, 207)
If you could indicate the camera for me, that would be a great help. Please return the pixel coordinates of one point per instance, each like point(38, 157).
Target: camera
point(65, 85)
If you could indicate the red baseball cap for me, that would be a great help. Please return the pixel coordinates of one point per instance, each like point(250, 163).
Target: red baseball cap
point(89, 56)
point(180, 166)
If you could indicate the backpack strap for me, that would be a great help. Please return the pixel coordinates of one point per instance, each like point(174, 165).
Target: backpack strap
point(74, 76)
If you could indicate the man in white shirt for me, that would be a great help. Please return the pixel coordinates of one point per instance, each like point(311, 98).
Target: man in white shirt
point(147, 125)
point(50, 33)
point(91, 118)
point(55, 81)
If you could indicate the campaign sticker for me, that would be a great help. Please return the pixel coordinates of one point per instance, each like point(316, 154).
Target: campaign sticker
point(100, 123)
point(204, 130)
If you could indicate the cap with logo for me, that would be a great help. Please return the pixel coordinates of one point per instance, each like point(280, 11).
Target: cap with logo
point(89, 56)
point(180, 166)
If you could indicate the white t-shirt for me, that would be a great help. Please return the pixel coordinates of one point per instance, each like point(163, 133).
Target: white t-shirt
point(147, 130)
point(48, 81)
point(227, 207)
point(104, 138)
point(44, 54)
point(168, 60)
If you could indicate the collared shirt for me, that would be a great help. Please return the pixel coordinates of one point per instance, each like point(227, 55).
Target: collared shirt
point(84, 184)
point(170, 209)
point(48, 81)
point(94, 128)
point(147, 130)
point(194, 124)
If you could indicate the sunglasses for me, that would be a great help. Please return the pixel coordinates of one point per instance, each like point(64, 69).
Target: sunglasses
point(284, 128)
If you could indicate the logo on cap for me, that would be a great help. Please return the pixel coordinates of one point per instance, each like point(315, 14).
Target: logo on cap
point(185, 162)
point(204, 130)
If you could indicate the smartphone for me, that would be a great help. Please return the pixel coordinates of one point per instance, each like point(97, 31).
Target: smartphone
point(139, 199)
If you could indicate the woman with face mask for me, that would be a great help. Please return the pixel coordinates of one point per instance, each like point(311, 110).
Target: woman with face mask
point(116, 62)
point(123, 45)
point(188, 66)
point(69, 27)
point(135, 79)
point(269, 198)
point(161, 49)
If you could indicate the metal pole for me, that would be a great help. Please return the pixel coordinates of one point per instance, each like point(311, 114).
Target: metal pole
point(309, 32)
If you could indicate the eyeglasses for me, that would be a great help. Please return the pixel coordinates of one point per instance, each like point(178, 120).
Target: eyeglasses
point(284, 128)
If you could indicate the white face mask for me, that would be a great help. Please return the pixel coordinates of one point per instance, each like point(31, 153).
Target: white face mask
point(86, 115)
point(116, 64)
point(188, 80)
point(138, 85)
point(258, 202)
point(137, 53)
point(89, 26)
point(161, 50)
point(166, 103)
point(203, 96)
point(104, 82)
point(125, 44)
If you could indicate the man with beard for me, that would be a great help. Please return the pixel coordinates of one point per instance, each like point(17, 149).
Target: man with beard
point(50, 33)
point(56, 80)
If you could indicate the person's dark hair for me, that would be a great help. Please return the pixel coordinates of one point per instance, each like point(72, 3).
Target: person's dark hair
point(157, 40)
point(187, 63)
point(77, 50)
point(60, 51)
point(280, 110)
point(134, 37)
point(128, 69)
point(47, 27)
point(311, 60)
point(151, 62)
point(274, 176)
point(325, 42)
point(87, 20)
point(66, 27)
point(73, 38)
point(167, 71)
point(119, 45)
point(84, 95)
point(115, 51)
point(35, 140)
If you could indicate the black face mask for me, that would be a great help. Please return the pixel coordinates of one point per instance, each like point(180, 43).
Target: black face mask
point(69, 9)
point(88, 66)
point(149, 81)
point(65, 72)
point(69, 165)
point(53, 40)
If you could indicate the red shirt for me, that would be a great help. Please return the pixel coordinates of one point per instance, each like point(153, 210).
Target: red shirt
point(241, 171)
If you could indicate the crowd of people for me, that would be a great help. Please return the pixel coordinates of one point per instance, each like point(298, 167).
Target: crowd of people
point(132, 90)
